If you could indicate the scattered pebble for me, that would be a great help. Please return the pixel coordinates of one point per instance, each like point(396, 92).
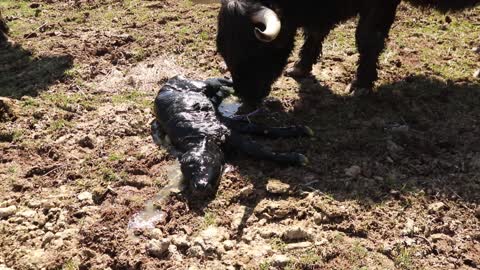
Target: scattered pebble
point(246, 191)
point(28, 213)
point(7, 211)
point(353, 171)
point(158, 248)
point(280, 260)
point(300, 245)
point(228, 244)
point(47, 238)
point(296, 233)
point(275, 186)
point(436, 207)
point(85, 196)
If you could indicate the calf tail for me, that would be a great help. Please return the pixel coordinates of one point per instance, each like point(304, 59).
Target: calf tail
point(445, 5)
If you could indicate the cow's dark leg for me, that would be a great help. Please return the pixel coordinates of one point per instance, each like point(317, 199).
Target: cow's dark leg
point(270, 132)
point(375, 22)
point(309, 54)
point(256, 150)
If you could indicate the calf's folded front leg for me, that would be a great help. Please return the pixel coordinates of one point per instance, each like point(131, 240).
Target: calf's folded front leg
point(256, 150)
point(270, 132)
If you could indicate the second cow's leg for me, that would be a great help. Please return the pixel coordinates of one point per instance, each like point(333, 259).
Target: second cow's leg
point(310, 53)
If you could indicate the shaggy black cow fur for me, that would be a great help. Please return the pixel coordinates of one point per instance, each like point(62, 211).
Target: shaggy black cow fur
point(3, 29)
point(187, 117)
point(255, 65)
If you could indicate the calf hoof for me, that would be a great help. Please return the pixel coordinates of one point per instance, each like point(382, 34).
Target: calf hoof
point(298, 72)
point(302, 160)
point(357, 91)
point(308, 131)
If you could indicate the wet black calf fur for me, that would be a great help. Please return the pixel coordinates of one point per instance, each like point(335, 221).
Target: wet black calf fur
point(255, 63)
point(187, 117)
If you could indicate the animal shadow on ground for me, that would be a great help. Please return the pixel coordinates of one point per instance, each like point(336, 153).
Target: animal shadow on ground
point(415, 136)
point(21, 73)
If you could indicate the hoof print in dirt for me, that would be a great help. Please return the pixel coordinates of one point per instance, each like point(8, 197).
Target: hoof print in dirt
point(187, 117)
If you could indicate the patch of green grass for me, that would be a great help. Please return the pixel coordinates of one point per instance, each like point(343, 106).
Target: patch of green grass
point(278, 244)
point(264, 265)
point(404, 259)
point(12, 169)
point(309, 257)
point(109, 175)
point(70, 265)
point(59, 125)
point(209, 219)
point(115, 156)
point(359, 250)
point(11, 135)
point(134, 96)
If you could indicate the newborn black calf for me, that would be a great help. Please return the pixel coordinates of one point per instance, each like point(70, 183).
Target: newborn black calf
point(187, 117)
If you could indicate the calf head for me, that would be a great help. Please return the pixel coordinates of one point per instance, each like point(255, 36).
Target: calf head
point(202, 168)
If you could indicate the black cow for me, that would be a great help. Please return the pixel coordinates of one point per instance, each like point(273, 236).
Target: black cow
point(256, 37)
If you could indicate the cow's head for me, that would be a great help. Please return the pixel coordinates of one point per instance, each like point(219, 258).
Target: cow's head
point(255, 44)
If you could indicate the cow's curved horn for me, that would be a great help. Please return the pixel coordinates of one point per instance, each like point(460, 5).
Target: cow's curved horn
point(272, 24)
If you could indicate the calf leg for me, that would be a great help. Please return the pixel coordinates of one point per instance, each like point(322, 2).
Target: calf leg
point(372, 32)
point(271, 132)
point(310, 53)
point(256, 150)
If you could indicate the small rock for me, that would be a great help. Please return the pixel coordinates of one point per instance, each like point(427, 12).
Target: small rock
point(476, 49)
point(180, 241)
point(246, 191)
point(213, 234)
point(320, 218)
point(393, 147)
point(438, 236)
point(410, 228)
point(295, 234)
point(28, 213)
point(34, 204)
point(275, 186)
point(158, 248)
point(88, 253)
point(436, 207)
point(47, 238)
point(85, 196)
point(196, 251)
point(477, 212)
point(300, 245)
point(353, 171)
point(280, 260)
point(34, 5)
point(7, 211)
point(228, 244)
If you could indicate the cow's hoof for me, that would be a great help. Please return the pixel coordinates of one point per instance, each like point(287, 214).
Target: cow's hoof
point(356, 91)
point(297, 72)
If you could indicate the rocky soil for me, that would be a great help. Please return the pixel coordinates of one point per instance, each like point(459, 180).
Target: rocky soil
point(394, 179)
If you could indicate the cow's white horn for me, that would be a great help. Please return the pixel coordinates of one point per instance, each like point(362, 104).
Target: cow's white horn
point(272, 24)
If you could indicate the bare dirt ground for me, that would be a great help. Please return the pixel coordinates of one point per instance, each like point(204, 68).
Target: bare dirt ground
point(394, 179)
